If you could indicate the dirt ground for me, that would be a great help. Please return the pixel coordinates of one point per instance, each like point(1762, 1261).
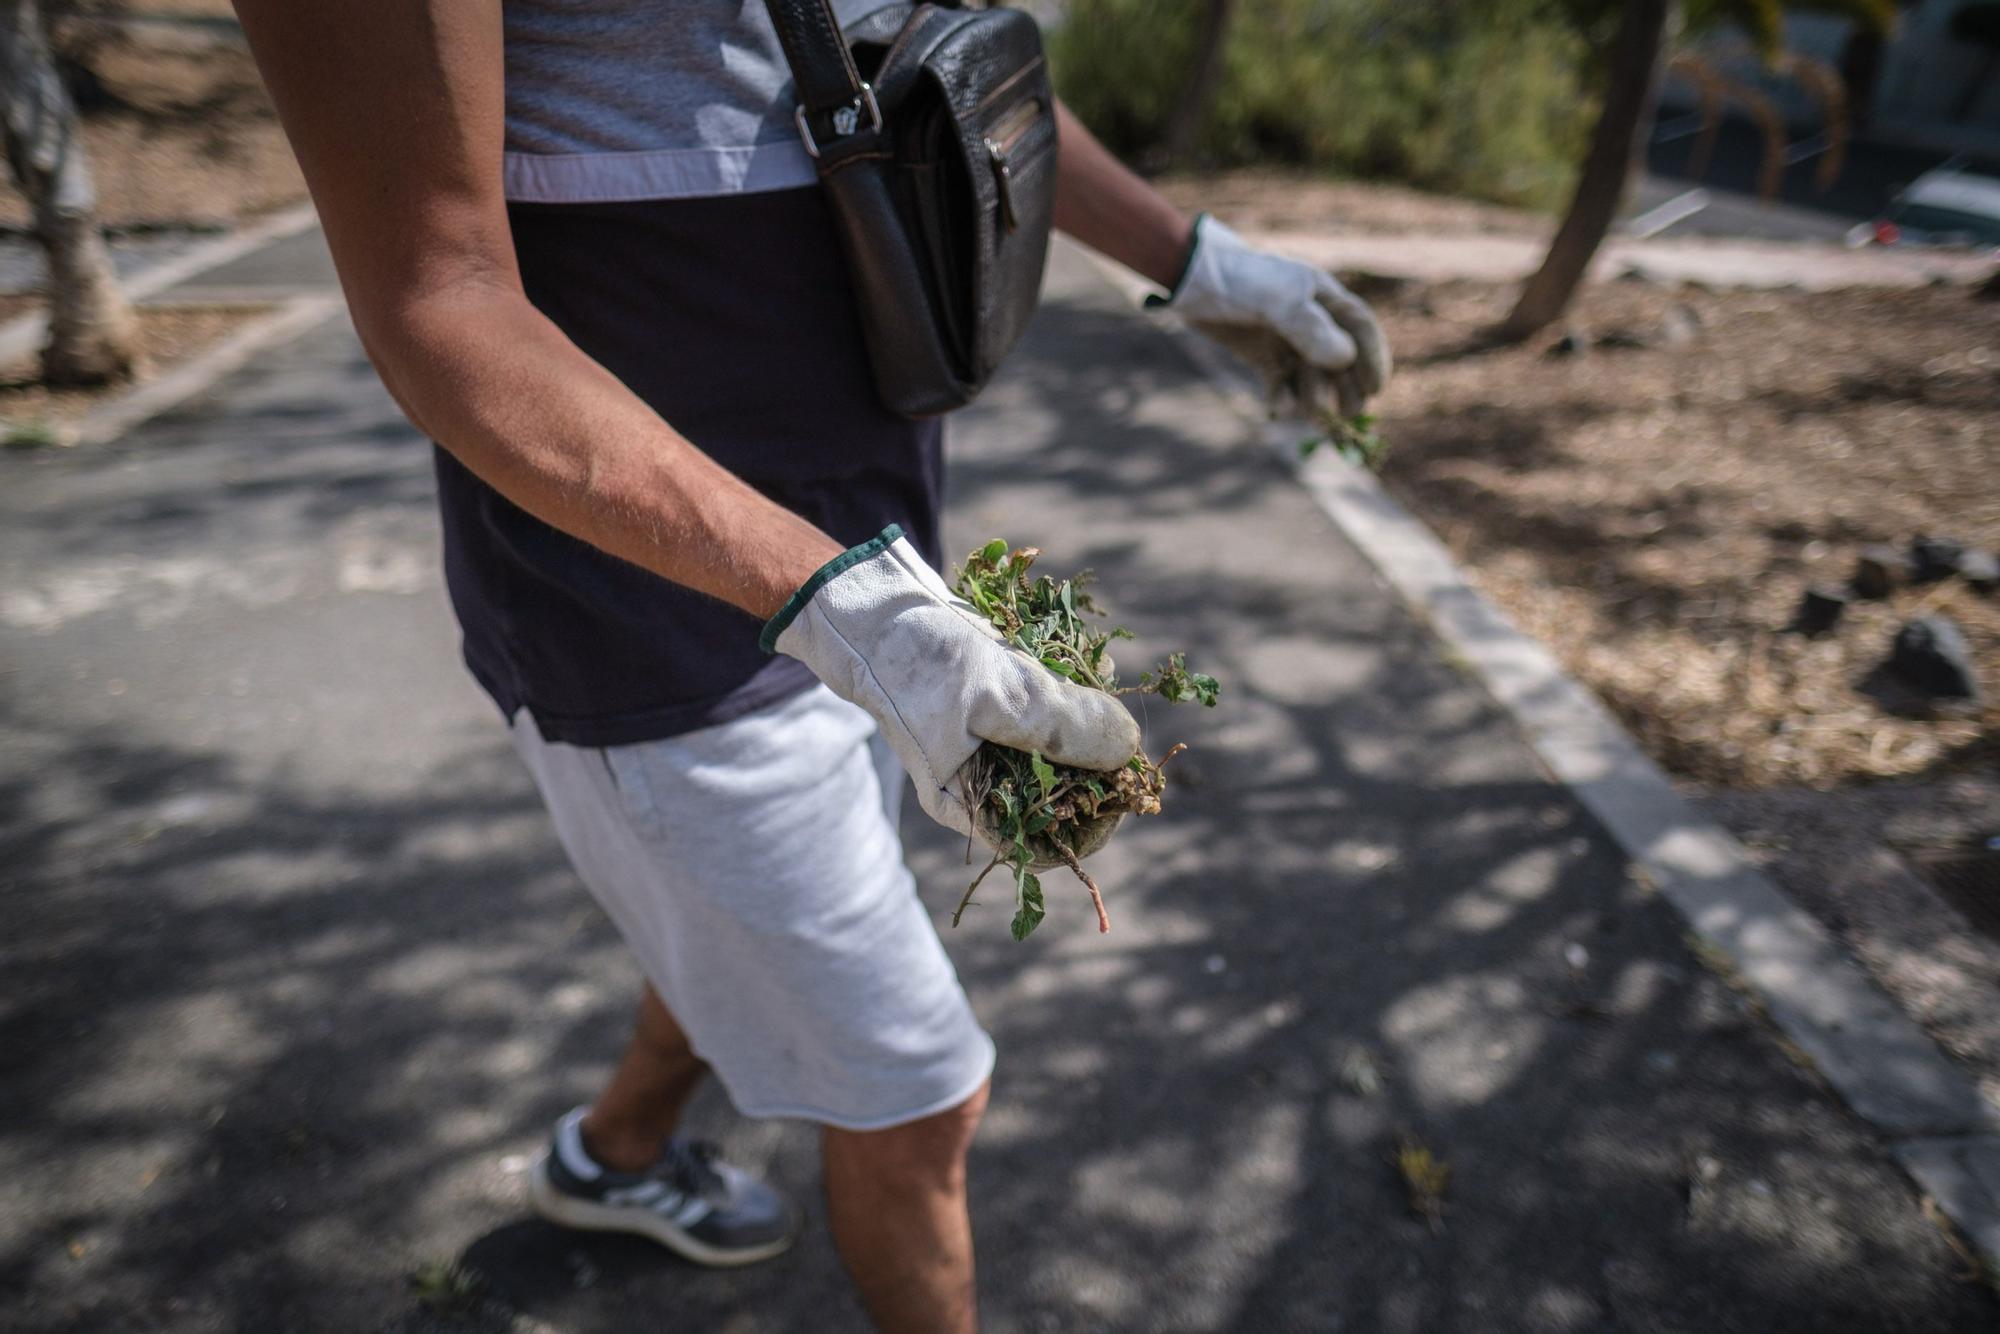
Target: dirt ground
point(176, 124)
point(179, 135)
point(1656, 513)
point(168, 334)
point(1277, 201)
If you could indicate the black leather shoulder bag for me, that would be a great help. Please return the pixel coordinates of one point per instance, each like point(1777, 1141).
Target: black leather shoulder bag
point(933, 130)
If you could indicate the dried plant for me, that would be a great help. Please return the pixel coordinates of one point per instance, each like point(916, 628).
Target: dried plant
point(1425, 1177)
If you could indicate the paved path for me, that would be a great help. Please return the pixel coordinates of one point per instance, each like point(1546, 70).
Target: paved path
point(1711, 261)
point(296, 975)
point(22, 267)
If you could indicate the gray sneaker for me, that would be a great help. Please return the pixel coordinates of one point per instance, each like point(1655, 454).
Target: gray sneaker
point(689, 1201)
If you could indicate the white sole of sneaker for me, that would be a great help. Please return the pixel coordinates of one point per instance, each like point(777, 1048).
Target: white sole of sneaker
point(569, 1211)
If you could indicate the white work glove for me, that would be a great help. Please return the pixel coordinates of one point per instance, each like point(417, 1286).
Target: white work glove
point(880, 628)
point(1294, 324)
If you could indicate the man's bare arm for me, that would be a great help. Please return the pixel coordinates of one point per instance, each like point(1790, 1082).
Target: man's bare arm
point(1110, 208)
point(1295, 324)
point(394, 108)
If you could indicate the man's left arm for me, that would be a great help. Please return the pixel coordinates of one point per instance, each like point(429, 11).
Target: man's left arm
point(1292, 322)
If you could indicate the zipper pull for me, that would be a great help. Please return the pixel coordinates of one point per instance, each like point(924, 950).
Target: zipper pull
point(1003, 176)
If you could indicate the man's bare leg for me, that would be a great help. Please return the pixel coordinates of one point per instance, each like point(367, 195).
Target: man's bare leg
point(896, 1200)
point(642, 1104)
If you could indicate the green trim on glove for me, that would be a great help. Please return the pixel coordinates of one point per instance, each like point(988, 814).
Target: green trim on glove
point(796, 603)
point(1153, 299)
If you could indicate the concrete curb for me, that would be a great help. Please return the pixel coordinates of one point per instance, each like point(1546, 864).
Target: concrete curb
point(1886, 1068)
point(1963, 1176)
point(19, 337)
point(293, 317)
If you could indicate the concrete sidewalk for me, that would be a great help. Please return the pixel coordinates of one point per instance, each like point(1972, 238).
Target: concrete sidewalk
point(297, 976)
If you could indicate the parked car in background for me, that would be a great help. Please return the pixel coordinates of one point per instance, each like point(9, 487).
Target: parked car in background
point(1946, 207)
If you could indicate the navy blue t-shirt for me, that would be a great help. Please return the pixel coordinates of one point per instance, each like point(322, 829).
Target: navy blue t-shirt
point(733, 318)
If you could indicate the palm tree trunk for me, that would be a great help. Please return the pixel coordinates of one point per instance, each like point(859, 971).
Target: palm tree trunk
point(92, 334)
point(1184, 125)
point(1631, 91)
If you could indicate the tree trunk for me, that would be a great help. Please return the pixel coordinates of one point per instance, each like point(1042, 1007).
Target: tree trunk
point(92, 334)
point(1968, 102)
point(1976, 25)
point(1184, 126)
point(1631, 90)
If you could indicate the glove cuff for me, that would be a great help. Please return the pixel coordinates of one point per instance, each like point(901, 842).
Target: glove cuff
point(1202, 222)
point(846, 560)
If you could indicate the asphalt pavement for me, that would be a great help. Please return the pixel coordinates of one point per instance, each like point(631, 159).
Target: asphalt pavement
point(296, 976)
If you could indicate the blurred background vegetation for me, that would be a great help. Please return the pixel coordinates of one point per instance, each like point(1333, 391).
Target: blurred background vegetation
point(1491, 100)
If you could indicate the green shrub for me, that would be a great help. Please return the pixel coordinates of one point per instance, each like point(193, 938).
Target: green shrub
point(1487, 100)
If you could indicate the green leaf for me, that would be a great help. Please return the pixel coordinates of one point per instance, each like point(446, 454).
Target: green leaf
point(1028, 909)
point(993, 552)
point(1059, 667)
point(1045, 774)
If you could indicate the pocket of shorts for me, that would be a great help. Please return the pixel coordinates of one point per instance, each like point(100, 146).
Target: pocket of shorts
point(625, 766)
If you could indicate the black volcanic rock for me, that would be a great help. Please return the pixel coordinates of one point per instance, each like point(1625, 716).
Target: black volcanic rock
point(1932, 655)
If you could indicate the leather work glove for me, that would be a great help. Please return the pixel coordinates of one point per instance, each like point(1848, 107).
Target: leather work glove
point(1304, 333)
point(880, 628)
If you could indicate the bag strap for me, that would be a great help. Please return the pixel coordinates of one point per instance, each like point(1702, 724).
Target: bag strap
point(832, 94)
point(822, 67)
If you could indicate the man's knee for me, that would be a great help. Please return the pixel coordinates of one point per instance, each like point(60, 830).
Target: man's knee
point(929, 1146)
point(953, 1128)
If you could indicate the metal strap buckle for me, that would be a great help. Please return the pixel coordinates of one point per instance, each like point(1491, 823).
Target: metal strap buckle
point(846, 121)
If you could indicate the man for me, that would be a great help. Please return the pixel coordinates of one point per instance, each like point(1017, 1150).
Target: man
point(589, 258)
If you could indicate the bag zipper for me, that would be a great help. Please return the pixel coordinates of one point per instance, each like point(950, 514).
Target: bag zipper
point(1001, 141)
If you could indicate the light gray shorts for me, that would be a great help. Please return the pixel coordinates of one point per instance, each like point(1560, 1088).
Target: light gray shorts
point(754, 867)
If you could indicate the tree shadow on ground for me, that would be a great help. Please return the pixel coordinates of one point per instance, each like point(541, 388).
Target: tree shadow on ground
point(1358, 856)
point(274, 1038)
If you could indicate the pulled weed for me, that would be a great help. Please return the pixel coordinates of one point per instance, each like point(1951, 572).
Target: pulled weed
point(1034, 814)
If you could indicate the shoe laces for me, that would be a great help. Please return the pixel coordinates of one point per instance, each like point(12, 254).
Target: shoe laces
point(689, 1165)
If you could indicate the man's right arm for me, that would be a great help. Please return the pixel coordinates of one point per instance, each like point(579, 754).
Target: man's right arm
point(395, 110)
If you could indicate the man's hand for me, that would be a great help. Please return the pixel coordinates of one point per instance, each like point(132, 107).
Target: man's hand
point(882, 631)
point(1306, 334)
point(1294, 324)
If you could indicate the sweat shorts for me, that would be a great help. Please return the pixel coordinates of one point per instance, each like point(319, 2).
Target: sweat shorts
point(754, 868)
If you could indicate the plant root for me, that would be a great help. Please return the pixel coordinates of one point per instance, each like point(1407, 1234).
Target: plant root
point(1096, 895)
